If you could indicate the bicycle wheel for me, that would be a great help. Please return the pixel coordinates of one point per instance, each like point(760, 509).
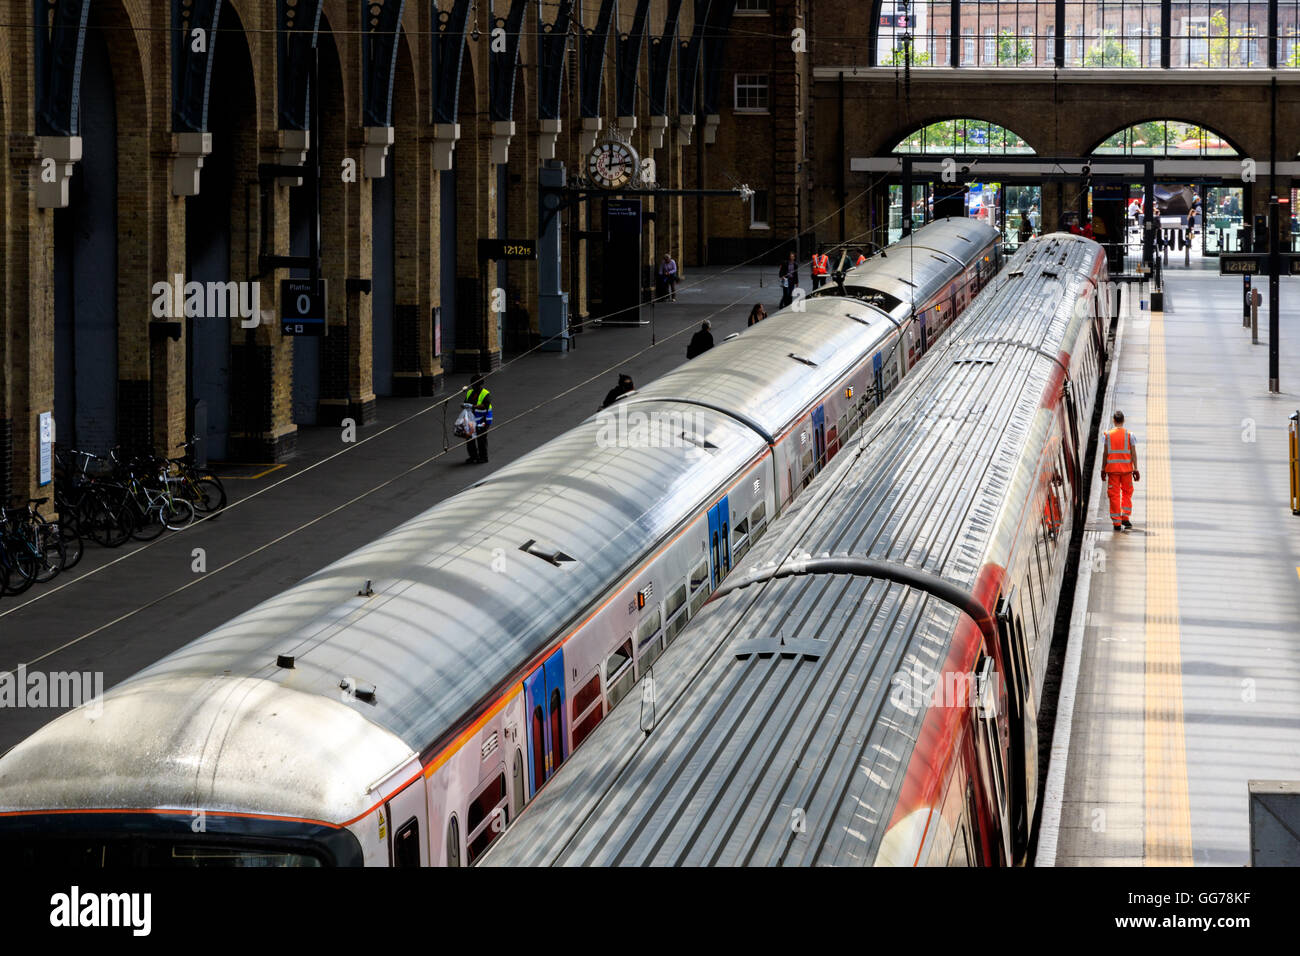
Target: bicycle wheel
point(73, 547)
point(22, 566)
point(108, 524)
point(147, 524)
point(48, 552)
point(208, 495)
point(175, 514)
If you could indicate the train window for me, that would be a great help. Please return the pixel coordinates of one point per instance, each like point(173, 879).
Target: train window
point(958, 856)
point(618, 673)
point(726, 548)
point(588, 709)
point(972, 816)
point(539, 746)
point(740, 544)
point(758, 517)
point(700, 576)
point(650, 653)
point(486, 818)
point(453, 842)
point(647, 629)
point(557, 729)
point(674, 627)
point(675, 600)
point(406, 844)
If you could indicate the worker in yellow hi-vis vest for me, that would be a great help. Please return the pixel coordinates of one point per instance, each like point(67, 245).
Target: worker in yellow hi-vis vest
point(1119, 468)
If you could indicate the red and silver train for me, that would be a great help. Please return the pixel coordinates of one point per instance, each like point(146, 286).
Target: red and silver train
point(401, 706)
point(865, 689)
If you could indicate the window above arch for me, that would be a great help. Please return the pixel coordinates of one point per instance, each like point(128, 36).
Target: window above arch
point(1168, 138)
point(1102, 34)
point(963, 136)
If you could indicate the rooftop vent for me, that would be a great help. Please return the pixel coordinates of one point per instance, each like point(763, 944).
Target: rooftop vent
point(557, 557)
point(806, 361)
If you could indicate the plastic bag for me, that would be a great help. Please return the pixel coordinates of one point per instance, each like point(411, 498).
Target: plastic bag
point(465, 425)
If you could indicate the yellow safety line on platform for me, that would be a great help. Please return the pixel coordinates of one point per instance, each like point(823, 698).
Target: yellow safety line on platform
point(1168, 813)
point(260, 474)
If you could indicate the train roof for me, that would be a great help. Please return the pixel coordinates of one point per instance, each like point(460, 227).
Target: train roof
point(774, 706)
point(455, 606)
point(775, 381)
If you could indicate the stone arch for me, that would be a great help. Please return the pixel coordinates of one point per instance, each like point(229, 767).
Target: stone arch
point(102, 283)
point(216, 248)
point(10, 313)
point(397, 201)
point(517, 215)
point(470, 189)
point(320, 369)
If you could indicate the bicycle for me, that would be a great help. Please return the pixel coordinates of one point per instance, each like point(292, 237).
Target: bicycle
point(200, 486)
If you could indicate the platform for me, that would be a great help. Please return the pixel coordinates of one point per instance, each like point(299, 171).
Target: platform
point(1182, 677)
point(121, 610)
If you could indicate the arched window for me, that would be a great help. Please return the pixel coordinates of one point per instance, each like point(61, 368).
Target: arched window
point(1167, 138)
point(961, 137)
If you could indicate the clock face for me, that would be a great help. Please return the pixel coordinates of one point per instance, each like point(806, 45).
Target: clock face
point(611, 165)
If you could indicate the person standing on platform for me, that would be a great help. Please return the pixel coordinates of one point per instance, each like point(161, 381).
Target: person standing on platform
point(789, 279)
point(757, 313)
point(668, 276)
point(478, 396)
point(860, 259)
point(701, 341)
point(1119, 468)
point(618, 391)
point(821, 265)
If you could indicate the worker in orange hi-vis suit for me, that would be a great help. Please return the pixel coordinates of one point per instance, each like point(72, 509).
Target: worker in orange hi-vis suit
point(1119, 468)
point(821, 264)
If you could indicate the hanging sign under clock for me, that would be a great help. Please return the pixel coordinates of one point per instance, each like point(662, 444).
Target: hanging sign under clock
point(613, 164)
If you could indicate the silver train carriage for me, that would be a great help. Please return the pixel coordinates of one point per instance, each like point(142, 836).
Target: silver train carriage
point(865, 689)
point(408, 723)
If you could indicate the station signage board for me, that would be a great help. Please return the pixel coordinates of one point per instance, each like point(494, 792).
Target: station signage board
point(493, 249)
point(1243, 264)
point(302, 307)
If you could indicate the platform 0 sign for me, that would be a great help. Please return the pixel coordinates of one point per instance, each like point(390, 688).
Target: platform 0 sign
point(302, 307)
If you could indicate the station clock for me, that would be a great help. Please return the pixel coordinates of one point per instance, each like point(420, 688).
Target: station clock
point(612, 164)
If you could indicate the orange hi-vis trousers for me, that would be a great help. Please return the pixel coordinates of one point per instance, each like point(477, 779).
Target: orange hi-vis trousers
point(1119, 488)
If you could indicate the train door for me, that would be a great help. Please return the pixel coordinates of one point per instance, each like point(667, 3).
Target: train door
point(1022, 747)
point(819, 435)
point(407, 846)
point(924, 335)
point(877, 375)
point(544, 699)
point(719, 541)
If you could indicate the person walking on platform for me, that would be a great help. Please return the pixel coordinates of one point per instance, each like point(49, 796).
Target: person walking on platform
point(821, 266)
point(701, 341)
point(757, 313)
point(789, 279)
point(618, 391)
point(480, 398)
point(668, 276)
point(1119, 468)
